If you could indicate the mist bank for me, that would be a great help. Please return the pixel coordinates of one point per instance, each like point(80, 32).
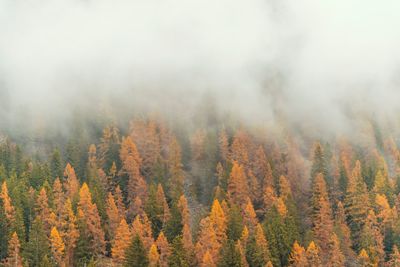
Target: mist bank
point(324, 69)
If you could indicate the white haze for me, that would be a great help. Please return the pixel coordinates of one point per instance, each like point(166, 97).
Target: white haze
point(315, 63)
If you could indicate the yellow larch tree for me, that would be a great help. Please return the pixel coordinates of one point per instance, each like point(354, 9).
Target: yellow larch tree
point(121, 242)
point(57, 247)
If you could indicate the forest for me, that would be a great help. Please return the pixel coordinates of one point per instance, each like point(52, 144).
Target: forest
point(153, 194)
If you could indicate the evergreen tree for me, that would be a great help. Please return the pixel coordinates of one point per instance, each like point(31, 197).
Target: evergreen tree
point(230, 255)
point(38, 245)
point(179, 254)
point(135, 254)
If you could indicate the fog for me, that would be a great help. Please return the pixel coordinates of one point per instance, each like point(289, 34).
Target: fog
point(319, 64)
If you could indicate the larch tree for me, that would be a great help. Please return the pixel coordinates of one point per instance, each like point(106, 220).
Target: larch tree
point(42, 209)
point(184, 210)
point(164, 249)
point(131, 164)
point(207, 241)
point(394, 260)
point(207, 260)
point(162, 202)
point(238, 191)
point(249, 216)
point(371, 239)
point(175, 172)
point(58, 198)
point(121, 242)
point(239, 149)
point(335, 257)
point(71, 183)
point(13, 257)
point(142, 227)
point(69, 231)
point(89, 216)
point(113, 215)
point(312, 254)
point(9, 209)
point(218, 221)
point(321, 214)
point(223, 145)
point(154, 257)
point(364, 260)
point(298, 257)
point(57, 246)
point(356, 203)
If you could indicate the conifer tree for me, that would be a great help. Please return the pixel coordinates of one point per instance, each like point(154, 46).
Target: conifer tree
point(335, 256)
point(249, 216)
point(180, 256)
point(207, 260)
point(218, 221)
point(394, 260)
point(230, 255)
point(164, 248)
point(313, 255)
point(207, 241)
point(57, 246)
point(356, 203)
point(131, 163)
point(38, 245)
point(321, 214)
point(13, 257)
point(90, 219)
point(298, 257)
point(237, 186)
point(175, 172)
point(71, 183)
point(136, 255)
point(154, 257)
point(69, 231)
point(121, 241)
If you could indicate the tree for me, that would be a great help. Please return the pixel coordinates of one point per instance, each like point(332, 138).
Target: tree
point(5, 230)
point(249, 216)
point(71, 183)
point(335, 255)
point(154, 257)
point(69, 231)
point(121, 241)
point(38, 245)
point(237, 185)
point(184, 210)
point(207, 241)
point(180, 255)
point(9, 209)
point(312, 254)
point(298, 256)
point(321, 214)
point(131, 163)
point(207, 260)
point(58, 198)
point(319, 163)
point(56, 164)
point(142, 227)
point(113, 215)
point(90, 219)
point(218, 221)
point(230, 255)
point(371, 239)
point(164, 248)
point(109, 147)
point(42, 209)
point(57, 246)
point(175, 173)
point(136, 254)
point(235, 223)
point(356, 203)
point(13, 257)
point(394, 260)
point(364, 260)
point(257, 250)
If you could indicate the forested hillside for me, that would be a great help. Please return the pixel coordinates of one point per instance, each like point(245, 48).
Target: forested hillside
point(157, 195)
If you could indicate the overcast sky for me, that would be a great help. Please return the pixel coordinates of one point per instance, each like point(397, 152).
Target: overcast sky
point(329, 57)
